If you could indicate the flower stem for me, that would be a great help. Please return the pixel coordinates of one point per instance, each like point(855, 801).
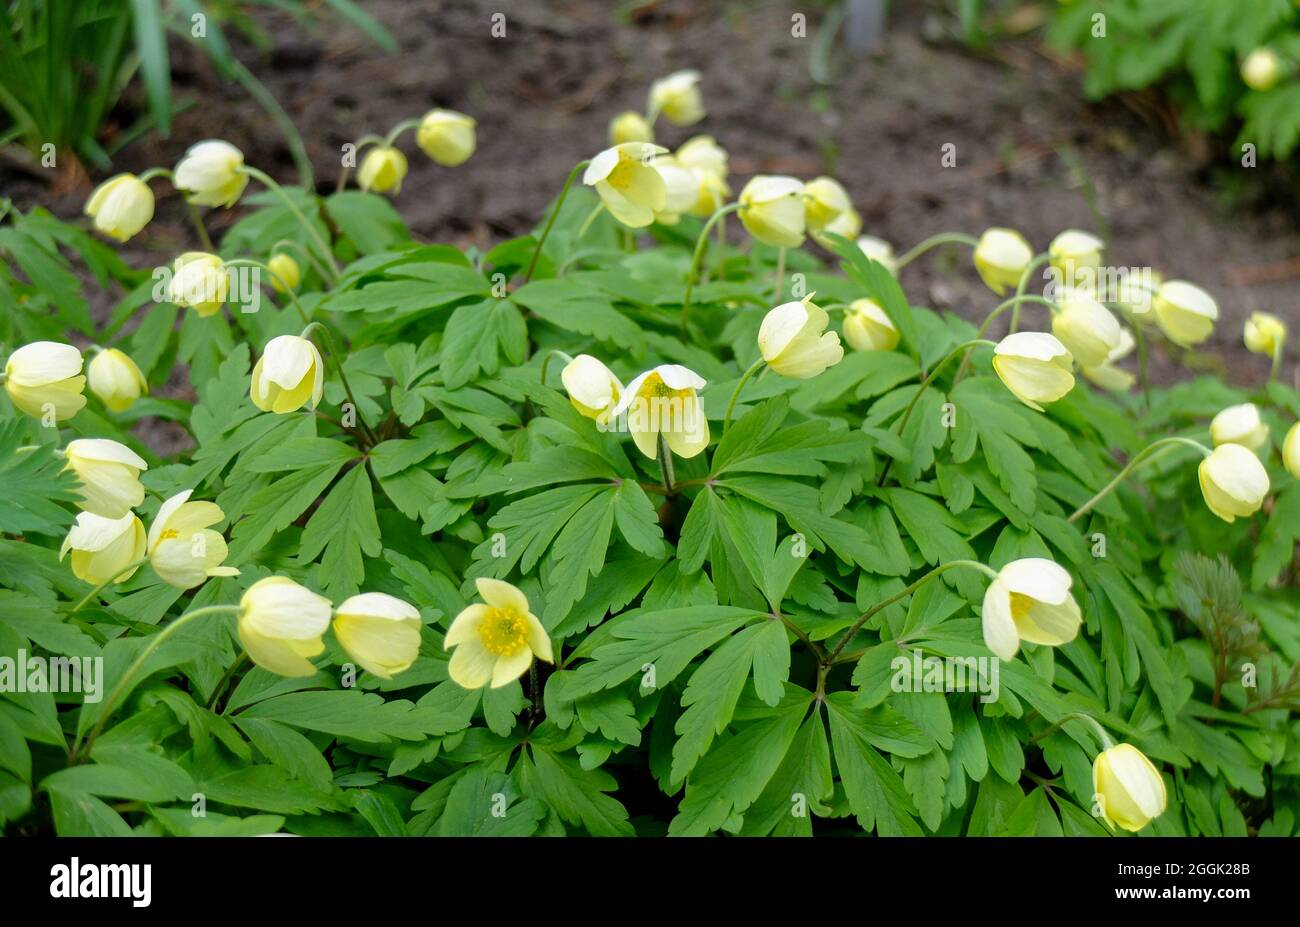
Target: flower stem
point(989, 319)
point(269, 182)
point(1145, 454)
point(726, 422)
point(700, 244)
point(154, 643)
point(780, 277)
point(666, 462)
point(1276, 370)
point(288, 290)
point(934, 241)
point(1102, 737)
point(885, 603)
point(559, 203)
point(546, 361)
point(94, 592)
point(343, 377)
point(1038, 261)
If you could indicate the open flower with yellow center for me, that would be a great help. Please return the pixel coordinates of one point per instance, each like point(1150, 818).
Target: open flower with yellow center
point(285, 272)
point(379, 631)
point(592, 387)
point(1185, 312)
point(1239, 425)
point(1035, 366)
point(1029, 601)
point(1107, 374)
point(630, 126)
point(664, 401)
point(382, 169)
point(199, 281)
point(115, 379)
point(495, 642)
point(121, 206)
point(1089, 331)
point(794, 342)
point(880, 251)
point(281, 624)
point(704, 153)
point(104, 548)
point(1129, 790)
point(1264, 333)
point(867, 327)
point(45, 376)
point(628, 183)
point(824, 201)
point(681, 189)
point(677, 96)
point(1233, 482)
point(773, 210)
point(1291, 451)
point(1001, 256)
point(1074, 251)
point(446, 136)
point(109, 474)
point(288, 375)
point(211, 174)
point(183, 550)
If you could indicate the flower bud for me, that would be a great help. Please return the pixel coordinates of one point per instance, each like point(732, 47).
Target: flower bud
point(592, 387)
point(712, 193)
point(1029, 601)
point(1233, 482)
point(630, 126)
point(1073, 251)
point(199, 281)
point(867, 327)
point(1001, 257)
point(1129, 789)
point(109, 474)
point(773, 210)
point(46, 373)
point(794, 342)
point(495, 642)
point(1185, 312)
point(183, 551)
point(1035, 366)
point(211, 174)
point(281, 624)
point(1261, 69)
point(677, 96)
point(382, 170)
point(628, 183)
point(289, 373)
point(121, 206)
point(1239, 425)
point(447, 137)
point(285, 272)
point(1107, 375)
point(681, 189)
point(1291, 451)
point(115, 379)
point(704, 153)
point(103, 548)
point(846, 225)
point(665, 401)
point(1089, 331)
point(1264, 333)
point(380, 632)
point(825, 200)
point(880, 251)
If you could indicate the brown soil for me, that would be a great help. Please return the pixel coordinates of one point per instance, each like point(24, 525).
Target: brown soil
point(545, 92)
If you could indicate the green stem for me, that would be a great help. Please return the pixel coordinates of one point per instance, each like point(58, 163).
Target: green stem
point(666, 463)
point(197, 220)
point(1276, 369)
point(700, 244)
point(1038, 261)
point(154, 643)
point(1144, 374)
point(1102, 737)
point(780, 277)
point(992, 316)
point(225, 678)
point(934, 241)
point(1145, 454)
point(343, 377)
point(885, 603)
point(108, 582)
point(288, 290)
point(591, 217)
point(559, 203)
point(546, 361)
point(304, 251)
point(356, 151)
point(396, 131)
point(267, 181)
point(726, 422)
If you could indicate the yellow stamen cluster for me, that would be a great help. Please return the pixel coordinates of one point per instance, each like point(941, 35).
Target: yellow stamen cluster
point(503, 631)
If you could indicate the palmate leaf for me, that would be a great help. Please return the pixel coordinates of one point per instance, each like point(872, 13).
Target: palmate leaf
point(344, 527)
point(875, 791)
point(34, 483)
point(575, 794)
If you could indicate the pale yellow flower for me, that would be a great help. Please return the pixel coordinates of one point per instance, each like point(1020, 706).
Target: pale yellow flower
point(199, 281)
point(495, 642)
point(681, 189)
point(665, 401)
point(1261, 69)
point(1239, 425)
point(104, 548)
point(1264, 333)
point(1107, 374)
point(773, 210)
point(1128, 789)
point(109, 475)
point(592, 387)
point(379, 631)
point(1291, 451)
point(1185, 312)
point(115, 379)
point(1001, 256)
point(211, 174)
point(285, 272)
point(1029, 601)
point(628, 183)
point(867, 327)
point(880, 251)
point(1089, 331)
point(281, 624)
point(382, 169)
point(183, 550)
point(825, 200)
point(46, 376)
point(794, 342)
point(1073, 252)
point(630, 126)
point(1233, 482)
point(121, 206)
point(704, 153)
point(288, 375)
point(677, 96)
point(446, 136)
point(1035, 366)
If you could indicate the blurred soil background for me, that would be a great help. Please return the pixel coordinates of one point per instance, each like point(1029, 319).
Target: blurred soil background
point(1031, 153)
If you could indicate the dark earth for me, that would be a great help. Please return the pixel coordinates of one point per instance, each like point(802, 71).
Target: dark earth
point(1030, 151)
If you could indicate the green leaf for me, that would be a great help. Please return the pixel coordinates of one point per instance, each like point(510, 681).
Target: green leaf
point(575, 794)
point(344, 527)
point(875, 791)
